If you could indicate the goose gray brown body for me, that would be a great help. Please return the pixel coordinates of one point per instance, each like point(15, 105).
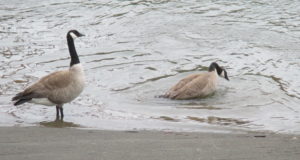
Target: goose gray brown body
point(197, 85)
point(59, 87)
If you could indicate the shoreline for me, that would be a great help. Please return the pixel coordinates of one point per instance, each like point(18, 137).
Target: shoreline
point(69, 143)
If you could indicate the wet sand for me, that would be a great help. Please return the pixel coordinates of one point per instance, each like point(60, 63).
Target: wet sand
point(35, 143)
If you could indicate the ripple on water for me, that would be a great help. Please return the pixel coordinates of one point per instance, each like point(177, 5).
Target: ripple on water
point(219, 120)
point(135, 51)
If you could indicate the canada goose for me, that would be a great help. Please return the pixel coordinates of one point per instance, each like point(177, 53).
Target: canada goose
point(59, 87)
point(197, 85)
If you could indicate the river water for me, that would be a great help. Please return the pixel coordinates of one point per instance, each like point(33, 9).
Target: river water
point(135, 50)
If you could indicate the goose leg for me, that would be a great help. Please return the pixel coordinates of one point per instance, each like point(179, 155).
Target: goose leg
point(57, 112)
point(59, 108)
point(61, 112)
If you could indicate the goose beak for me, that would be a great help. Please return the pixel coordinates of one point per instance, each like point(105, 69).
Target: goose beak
point(225, 75)
point(227, 78)
point(81, 35)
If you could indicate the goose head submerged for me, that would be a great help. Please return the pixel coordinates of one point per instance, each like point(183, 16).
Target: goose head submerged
point(221, 71)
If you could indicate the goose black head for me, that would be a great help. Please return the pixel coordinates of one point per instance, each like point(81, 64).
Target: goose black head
point(221, 71)
point(74, 34)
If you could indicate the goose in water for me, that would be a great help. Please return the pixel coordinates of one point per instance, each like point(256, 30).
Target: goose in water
point(59, 87)
point(197, 85)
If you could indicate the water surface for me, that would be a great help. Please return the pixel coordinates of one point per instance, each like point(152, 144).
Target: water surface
point(135, 50)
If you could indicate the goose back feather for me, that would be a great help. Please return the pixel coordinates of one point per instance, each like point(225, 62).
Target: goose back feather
point(193, 86)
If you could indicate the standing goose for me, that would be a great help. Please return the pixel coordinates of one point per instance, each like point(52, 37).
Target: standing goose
point(59, 87)
point(197, 85)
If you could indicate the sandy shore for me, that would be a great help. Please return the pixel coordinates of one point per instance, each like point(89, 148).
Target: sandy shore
point(39, 143)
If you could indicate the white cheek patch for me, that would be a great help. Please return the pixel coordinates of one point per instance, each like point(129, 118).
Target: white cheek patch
point(223, 74)
point(73, 35)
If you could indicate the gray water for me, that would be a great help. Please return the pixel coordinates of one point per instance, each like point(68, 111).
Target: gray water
point(134, 51)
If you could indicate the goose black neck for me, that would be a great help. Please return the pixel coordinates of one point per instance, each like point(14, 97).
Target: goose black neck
point(72, 50)
point(214, 66)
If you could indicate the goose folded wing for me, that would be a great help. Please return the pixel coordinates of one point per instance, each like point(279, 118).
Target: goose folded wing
point(195, 88)
point(55, 81)
point(181, 84)
point(46, 85)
